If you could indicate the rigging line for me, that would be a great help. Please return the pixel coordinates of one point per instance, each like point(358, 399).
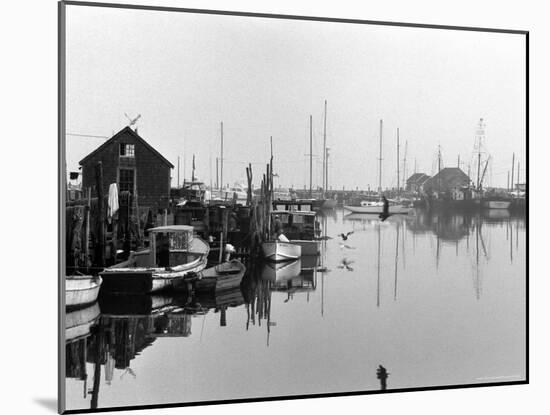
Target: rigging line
point(87, 135)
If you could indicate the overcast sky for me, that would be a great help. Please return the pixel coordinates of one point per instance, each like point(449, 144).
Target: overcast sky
point(185, 73)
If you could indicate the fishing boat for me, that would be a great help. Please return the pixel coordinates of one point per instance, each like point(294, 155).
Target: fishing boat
point(224, 276)
point(300, 228)
point(175, 254)
point(281, 251)
point(376, 207)
point(81, 290)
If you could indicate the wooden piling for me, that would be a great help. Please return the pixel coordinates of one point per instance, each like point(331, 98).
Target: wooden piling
point(100, 246)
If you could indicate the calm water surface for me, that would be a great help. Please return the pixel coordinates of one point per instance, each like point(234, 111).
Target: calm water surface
point(436, 299)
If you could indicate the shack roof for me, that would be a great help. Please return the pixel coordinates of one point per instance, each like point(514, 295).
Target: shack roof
point(417, 178)
point(126, 130)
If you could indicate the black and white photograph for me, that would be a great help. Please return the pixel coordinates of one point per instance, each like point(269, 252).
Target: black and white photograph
point(264, 207)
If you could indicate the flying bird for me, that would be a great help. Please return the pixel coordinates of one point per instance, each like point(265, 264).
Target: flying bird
point(134, 120)
point(345, 236)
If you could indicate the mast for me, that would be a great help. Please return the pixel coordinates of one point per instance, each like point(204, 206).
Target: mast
point(217, 174)
point(517, 183)
point(438, 167)
point(380, 163)
point(178, 172)
point(478, 170)
point(405, 174)
point(513, 165)
point(221, 157)
point(397, 161)
point(325, 167)
point(310, 157)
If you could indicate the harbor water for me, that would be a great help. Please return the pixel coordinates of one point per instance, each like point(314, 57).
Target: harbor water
point(437, 299)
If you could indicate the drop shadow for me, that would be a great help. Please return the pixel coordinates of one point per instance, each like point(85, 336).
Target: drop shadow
point(48, 403)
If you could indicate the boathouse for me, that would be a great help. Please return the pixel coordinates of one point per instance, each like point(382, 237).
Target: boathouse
point(134, 165)
point(415, 182)
point(447, 180)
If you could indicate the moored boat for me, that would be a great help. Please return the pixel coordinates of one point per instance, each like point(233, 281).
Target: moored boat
point(175, 254)
point(81, 290)
point(378, 208)
point(281, 251)
point(496, 204)
point(224, 276)
point(300, 228)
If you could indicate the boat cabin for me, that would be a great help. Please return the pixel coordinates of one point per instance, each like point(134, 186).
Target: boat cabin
point(169, 246)
point(296, 224)
point(303, 205)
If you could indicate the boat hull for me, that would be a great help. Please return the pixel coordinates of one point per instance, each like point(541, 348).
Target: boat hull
point(144, 280)
point(277, 251)
point(308, 247)
point(377, 210)
point(496, 204)
point(80, 291)
point(215, 279)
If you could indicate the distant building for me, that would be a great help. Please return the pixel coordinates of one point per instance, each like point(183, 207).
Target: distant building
point(415, 182)
point(134, 165)
point(450, 180)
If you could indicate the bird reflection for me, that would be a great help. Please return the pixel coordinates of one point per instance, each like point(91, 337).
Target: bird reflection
point(346, 264)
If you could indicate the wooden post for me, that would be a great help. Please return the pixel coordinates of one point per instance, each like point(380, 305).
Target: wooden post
point(87, 233)
point(100, 248)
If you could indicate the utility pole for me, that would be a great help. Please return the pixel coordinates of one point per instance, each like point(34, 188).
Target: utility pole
point(178, 172)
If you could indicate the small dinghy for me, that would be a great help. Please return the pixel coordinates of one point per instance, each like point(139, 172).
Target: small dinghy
point(81, 290)
point(222, 277)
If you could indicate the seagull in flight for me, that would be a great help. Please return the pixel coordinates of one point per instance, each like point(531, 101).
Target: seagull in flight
point(345, 236)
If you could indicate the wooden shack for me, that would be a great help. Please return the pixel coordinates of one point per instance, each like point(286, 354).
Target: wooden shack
point(134, 165)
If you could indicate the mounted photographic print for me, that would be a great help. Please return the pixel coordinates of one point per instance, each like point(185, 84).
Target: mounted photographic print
point(261, 207)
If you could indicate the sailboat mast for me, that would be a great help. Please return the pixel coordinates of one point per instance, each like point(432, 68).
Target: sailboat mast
point(325, 152)
point(310, 156)
point(398, 162)
point(380, 163)
point(221, 157)
point(513, 166)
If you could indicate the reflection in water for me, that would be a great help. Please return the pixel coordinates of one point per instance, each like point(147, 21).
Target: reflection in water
point(426, 262)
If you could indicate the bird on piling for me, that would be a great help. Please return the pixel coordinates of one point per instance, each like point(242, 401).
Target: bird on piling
point(345, 236)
